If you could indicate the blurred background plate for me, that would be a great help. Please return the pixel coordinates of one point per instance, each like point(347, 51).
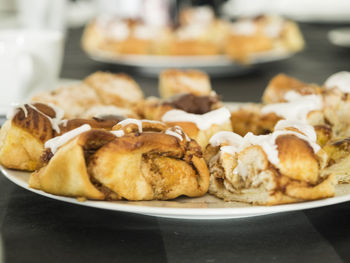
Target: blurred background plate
point(219, 65)
point(340, 37)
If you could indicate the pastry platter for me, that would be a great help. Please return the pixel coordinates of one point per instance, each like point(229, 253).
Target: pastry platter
point(214, 65)
point(207, 207)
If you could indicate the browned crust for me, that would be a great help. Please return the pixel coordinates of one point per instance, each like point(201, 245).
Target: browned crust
point(35, 122)
point(281, 84)
point(94, 123)
point(297, 159)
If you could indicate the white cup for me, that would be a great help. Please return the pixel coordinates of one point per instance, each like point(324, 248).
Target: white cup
point(30, 61)
point(42, 14)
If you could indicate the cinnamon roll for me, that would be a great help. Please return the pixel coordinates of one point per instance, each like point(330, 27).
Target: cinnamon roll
point(29, 126)
point(282, 167)
point(23, 135)
point(138, 160)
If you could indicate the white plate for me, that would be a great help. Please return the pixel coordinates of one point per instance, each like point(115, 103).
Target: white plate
point(213, 65)
point(207, 207)
point(340, 37)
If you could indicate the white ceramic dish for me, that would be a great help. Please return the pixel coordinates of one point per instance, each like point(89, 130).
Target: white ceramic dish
point(340, 37)
point(213, 65)
point(207, 207)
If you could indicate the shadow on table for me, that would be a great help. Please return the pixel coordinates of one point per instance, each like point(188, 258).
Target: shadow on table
point(36, 227)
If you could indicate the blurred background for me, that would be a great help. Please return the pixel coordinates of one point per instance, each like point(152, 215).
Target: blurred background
point(322, 23)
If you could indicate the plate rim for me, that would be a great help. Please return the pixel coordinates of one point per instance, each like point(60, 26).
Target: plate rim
point(200, 61)
point(184, 212)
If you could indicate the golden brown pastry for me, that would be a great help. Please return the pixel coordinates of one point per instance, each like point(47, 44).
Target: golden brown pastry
point(339, 159)
point(115, 89)
point(282, 167)
point(65, 172)
point(125, 36)
point(99, 111)
point(250, 36)
point(248, 118)
point(173, 82)
point(73, 99)
point(153, 108)
point(327, 105)
point(200, 127)
point(139, 160)
point(23, 135)
point(281, 84)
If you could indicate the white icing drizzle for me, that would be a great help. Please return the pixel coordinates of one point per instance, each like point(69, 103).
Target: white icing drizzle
point(58, 141)
point(14, 109)
point(55, 122)
point(191, 31)
point(226, 137)
point(145, 32)
point(266, 142)
point(202, 15)
point(244, 27)
point(118, 30)
point(202, 121)
point(195, 84)
point(119, 133)
point(274, 27)
point(64, 123)
point(306, 129)
point(175, 134)
point(125, 122)
point(341, 80)
point(297, 106)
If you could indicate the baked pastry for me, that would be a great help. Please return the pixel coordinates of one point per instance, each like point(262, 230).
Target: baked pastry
point(282, 167)
point(29, 126)
point(101, 93)
point(115, 89)
point(338, 151)
point(281, 84)
point(250, 36)
point(125, 36)
point(102, 111)
point(248, 118)
point(23, 135)
point(326, 105)
point(136, 161)
point(154, 108)
point(72, 99)
point(173, 82)
point(65, 173)
point(200, 127)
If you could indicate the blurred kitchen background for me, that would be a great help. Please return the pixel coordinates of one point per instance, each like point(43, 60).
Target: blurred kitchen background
point(316, 18)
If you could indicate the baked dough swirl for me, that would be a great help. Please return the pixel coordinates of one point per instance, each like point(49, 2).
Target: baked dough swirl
point(138, 160)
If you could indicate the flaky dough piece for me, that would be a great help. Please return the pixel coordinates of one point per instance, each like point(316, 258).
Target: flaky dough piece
point(138, 165)
point(115, 89)
point(173, 82)
point(281, 84)
point(73, 99)
point(22, 138)
point(248, 176)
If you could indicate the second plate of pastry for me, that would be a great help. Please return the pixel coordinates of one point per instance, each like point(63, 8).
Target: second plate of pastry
point(213, 45)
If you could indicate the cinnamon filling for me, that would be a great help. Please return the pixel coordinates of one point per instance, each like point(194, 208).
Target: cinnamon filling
point(192, 103)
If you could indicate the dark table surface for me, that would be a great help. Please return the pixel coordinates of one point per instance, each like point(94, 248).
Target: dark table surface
point(37, 229)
